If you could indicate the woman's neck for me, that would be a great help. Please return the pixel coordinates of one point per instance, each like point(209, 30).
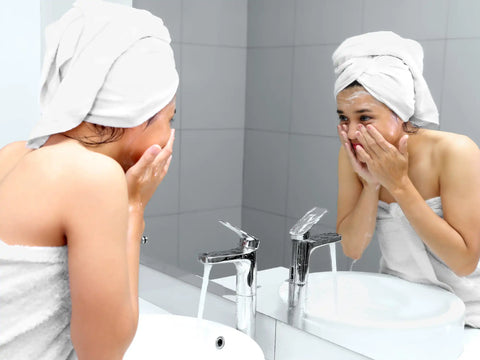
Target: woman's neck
point(110, 149)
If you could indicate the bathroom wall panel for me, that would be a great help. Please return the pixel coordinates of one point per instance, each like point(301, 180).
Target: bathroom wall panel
point(270, 23)
point(213, 87)
point(265, 171)
point(327, 22)
point(269, 88)
point(434, 67)
point(209, 42)
point(269, 228)
point(463, 19)
point(416, 19)
point(201, 232)
point(461, 88)
point(169, 11)
point(166, 197)
point(313, 103)
point(312, 175)
point(162, 232)
point(211, 169)
point(215, 22)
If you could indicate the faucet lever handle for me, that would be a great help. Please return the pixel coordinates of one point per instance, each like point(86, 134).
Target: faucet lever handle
point(300, 230)
point(239, 232)
point(246, 240)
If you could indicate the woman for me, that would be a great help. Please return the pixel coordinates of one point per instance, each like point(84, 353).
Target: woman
point(72, 203)
point(418, 188)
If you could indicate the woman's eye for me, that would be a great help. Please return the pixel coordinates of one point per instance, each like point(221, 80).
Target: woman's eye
point(342, 118)
point(365, 118)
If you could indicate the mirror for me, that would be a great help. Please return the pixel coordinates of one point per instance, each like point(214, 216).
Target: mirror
point(257, 123)
point(257, 143)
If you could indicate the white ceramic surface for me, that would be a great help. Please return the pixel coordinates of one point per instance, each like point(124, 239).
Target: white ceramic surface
point(167, 336)
point(383, 317)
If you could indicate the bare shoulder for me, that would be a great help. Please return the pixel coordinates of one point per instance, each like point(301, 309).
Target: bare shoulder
point(449, 146)
point(72, 169)
point(17, 148)
point(91, 189)
point(457, 160)
point(66, 181)
point(10, 155)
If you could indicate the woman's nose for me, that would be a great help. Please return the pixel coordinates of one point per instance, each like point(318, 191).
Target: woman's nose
point(351, 132)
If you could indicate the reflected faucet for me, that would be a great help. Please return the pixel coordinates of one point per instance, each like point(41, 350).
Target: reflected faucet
point(303, 244)
point(244, 257)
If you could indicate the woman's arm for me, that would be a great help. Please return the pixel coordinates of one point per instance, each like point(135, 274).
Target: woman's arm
point(103, 225)
point(455, 238)
point(142, 180)
point(357, 201)
point(103, 320)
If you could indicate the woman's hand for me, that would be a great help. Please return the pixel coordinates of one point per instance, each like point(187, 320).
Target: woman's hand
point(360, 167)
point(384, 161)
point(149, 171)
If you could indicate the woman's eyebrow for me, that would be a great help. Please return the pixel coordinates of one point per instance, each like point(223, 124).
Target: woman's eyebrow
point(361, 111)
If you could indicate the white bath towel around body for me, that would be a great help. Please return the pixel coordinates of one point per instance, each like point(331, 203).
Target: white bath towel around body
point(35, 304)
point(405, 255)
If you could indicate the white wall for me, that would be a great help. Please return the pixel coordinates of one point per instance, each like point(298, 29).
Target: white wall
point(19, 68)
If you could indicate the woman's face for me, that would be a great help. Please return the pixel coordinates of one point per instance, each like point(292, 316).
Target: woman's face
point(157, 130)
point(356, 107)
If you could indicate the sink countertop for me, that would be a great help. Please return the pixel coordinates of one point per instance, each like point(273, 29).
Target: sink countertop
point(269, 303)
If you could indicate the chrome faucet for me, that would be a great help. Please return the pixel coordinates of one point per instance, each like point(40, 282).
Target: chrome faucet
point(244, 257)
point(303, 244)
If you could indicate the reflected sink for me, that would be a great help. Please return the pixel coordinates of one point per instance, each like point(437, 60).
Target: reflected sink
point(167, 336)
point(382, 316)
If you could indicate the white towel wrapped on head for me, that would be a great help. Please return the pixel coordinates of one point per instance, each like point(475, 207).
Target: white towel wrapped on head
point(106, 64)
point(390, 68)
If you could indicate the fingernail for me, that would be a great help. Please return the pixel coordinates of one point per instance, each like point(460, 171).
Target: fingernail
point(155, 149)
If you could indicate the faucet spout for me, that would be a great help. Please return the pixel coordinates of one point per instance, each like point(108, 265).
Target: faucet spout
point(244, 257)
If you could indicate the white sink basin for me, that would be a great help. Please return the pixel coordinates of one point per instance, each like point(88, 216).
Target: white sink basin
point(384, 317)
point(167, 336)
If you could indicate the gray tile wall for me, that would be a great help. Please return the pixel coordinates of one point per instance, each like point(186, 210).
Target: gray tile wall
point(204, 182)
point(256, 141)
point(290, 137)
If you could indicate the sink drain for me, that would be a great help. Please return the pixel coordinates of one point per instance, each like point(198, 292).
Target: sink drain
point(220, 342)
